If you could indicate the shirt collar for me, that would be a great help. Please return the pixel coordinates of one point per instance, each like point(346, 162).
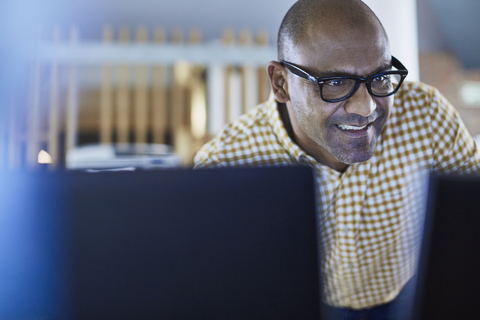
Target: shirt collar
point(273, 116)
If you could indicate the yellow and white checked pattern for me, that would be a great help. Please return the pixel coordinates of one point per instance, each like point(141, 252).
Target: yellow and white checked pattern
point(369, 215)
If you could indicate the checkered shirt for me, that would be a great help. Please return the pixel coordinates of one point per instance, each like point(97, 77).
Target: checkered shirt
point(369, 215)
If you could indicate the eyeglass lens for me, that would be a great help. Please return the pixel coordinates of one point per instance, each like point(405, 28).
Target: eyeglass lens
point(340, 88)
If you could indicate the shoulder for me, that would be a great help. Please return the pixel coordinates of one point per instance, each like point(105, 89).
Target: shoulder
point(422, 97)
point(418, 105)
point(240, 142)
point(425, 127)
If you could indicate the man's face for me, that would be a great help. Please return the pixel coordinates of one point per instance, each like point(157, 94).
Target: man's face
point(347, 130)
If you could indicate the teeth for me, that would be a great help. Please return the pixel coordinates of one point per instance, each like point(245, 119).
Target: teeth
point(346, 127)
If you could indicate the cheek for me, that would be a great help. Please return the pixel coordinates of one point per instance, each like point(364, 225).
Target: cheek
point(305, 102)
point(308, 114)
point(385, 105)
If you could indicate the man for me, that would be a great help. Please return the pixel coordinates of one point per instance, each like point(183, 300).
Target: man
point(339, 106)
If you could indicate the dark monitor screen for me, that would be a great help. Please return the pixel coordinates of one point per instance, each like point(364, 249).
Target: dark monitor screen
point(449, 281)
point(180, 244)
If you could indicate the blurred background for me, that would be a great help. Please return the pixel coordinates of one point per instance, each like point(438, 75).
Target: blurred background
point(126, 84)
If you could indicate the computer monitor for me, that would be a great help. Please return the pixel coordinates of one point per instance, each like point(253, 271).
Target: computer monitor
point(449, 281)
point(179, 244)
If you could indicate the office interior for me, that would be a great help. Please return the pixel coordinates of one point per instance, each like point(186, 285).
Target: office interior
point(142, 85)
point(160, 78)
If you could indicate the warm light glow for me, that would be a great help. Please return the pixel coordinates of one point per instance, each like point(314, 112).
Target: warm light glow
point(199, 111)
point(182, 72)
point(44, 157)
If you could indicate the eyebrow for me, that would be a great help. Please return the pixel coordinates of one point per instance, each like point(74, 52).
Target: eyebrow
point(343, 73)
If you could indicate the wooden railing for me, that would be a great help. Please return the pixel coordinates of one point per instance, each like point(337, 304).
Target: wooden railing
point(137, 89)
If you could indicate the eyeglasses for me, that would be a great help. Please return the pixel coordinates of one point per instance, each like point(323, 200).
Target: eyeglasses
point(335, 89)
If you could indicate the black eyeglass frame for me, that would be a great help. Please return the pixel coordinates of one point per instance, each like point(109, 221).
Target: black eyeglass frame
point(401, 70)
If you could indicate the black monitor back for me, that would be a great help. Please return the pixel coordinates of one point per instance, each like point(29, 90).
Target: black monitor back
point(183, 244)
point(449, 281)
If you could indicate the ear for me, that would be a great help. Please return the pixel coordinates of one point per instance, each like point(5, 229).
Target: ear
point(278, 81)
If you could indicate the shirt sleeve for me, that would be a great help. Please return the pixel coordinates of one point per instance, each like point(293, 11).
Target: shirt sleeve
point(454, 149)
point(207, 156)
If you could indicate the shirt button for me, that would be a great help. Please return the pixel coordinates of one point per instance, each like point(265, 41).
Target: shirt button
point(346, 229)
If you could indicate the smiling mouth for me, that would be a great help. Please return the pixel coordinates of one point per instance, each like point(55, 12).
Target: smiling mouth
point(347, 127)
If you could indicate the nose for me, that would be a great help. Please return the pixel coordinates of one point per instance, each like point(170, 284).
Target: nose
point(361, 102)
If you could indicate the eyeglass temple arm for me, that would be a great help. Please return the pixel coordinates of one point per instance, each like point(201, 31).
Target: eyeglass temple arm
point(397, 64)
point(299, 72)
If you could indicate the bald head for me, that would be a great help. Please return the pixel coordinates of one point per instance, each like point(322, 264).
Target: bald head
point(331, 18)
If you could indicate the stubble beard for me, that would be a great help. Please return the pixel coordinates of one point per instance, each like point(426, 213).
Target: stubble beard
point(345, 153)
point(354, 155)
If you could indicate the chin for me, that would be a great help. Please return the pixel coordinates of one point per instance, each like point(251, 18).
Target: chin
point(354, 159)
point(356, 151)
point(354, 156)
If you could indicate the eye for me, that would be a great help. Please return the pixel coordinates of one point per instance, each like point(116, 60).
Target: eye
point(384, 78)
point(336, 83)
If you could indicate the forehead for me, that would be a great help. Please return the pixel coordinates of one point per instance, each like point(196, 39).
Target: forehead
point(351, 51)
